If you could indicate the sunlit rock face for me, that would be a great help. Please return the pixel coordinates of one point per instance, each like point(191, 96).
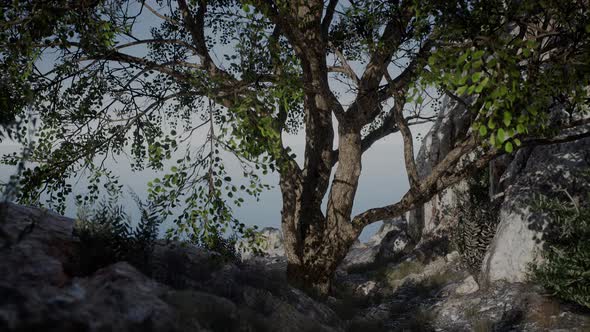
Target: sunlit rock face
point(515, 180)
point(544, 170)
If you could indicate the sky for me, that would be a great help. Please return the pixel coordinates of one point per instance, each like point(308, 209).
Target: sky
point(383, 180)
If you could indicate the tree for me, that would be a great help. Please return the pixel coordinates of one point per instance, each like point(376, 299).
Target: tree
point(112, 84)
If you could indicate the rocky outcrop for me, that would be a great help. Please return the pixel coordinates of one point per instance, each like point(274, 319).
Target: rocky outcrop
point(188, 288)
point(390, 242)
point(450, 126)
point(514, 182)
point(544, 170)
point(440, 296)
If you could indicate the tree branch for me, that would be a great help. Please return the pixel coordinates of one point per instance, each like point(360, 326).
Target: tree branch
point(441, 177)
point(387, 128)
point(398, 115)
point(330, 9)
point(155, 12)
point(346, 68)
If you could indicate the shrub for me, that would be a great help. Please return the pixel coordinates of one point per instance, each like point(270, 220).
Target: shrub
point(106, 236)
point(477, 221)
point(565, 265)
point(224, 246)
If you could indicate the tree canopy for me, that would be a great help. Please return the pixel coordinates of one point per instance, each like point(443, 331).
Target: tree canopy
point(109, 76)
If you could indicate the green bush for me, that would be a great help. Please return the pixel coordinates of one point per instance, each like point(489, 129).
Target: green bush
point(107, 236)
point(565, 266)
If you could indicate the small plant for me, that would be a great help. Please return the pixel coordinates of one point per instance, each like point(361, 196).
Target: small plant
point(224, 246)
point(565, 266)
point(106, 236)
point(476, 224)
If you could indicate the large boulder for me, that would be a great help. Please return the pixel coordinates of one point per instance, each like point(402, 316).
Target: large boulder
point(36, 246)
point(43, 288)
point(544, 170)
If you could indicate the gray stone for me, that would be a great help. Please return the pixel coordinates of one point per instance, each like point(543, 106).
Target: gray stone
point(366, 288)
point(397, 225)
point(468, 286)
point(192, 289)
point(450, 126)
point(389, 243)
point(546, 170)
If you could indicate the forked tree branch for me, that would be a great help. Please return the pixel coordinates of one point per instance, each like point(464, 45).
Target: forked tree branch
point(445, 174)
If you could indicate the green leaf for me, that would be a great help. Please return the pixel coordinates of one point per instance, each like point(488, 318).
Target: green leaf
point(476, 76)
point(526, 52)
point(482, 85)
point(461, 90)
point(507, 118)
point(493, 139)
point(491, 124)
point(508, 147)
point(478, 54)
point(517, 142)
point(501, 135)
point(520, 128)
point(432, 61)
point(462, 58)
point(483, 130)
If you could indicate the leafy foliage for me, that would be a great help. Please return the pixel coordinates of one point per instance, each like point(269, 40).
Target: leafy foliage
point(477, 221)
point(565, 265)
point(106, 236)
point(507, 67)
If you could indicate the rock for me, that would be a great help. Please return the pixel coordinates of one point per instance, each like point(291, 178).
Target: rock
point(506, 307)
point(366, 288)
point(514, 180)
point(389, 243)
point(36, 248)
point(391, 225)
point(453, 256)
point(468, 286)
point(271, 244)
point(393, 246)
point(191, 290)
point(545, 170)
point(359, 257)
point(450, 126)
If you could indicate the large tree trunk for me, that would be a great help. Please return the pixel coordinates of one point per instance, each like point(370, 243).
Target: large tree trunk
point(315, 243)
point(313, 257)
